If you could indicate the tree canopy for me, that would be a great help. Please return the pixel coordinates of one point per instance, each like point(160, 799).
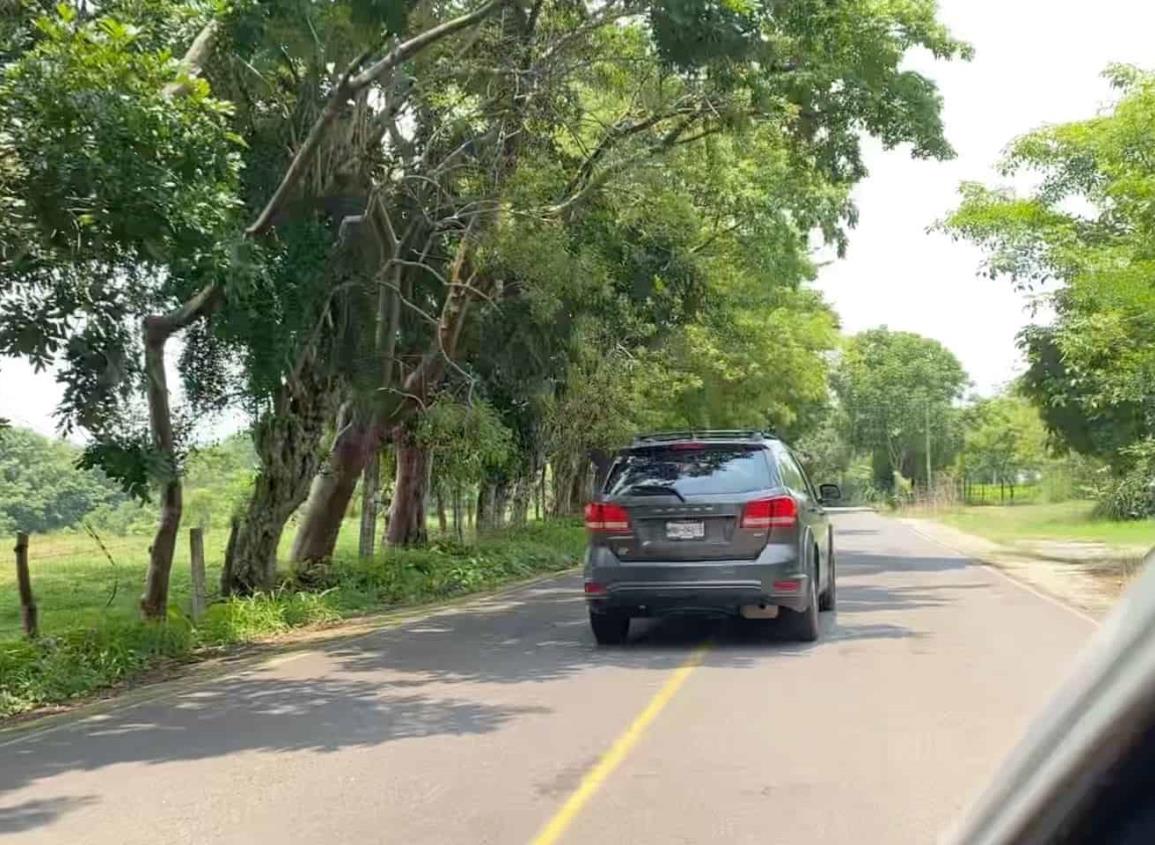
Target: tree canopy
point(354, 213)
point(1082, 237)
point(896, 389)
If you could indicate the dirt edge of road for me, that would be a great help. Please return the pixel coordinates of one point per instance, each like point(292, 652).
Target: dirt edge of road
point(174, 677)
point(1080, 579)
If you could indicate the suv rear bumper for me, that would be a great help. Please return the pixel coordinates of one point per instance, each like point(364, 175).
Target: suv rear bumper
point(654, 588)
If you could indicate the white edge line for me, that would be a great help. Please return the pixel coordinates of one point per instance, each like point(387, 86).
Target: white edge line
point(177, 686)
point(1006, 575)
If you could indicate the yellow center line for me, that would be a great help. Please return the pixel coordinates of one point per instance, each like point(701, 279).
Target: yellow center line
point(608, 762)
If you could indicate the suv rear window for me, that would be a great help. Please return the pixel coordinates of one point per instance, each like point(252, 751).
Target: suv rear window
point(695, 471)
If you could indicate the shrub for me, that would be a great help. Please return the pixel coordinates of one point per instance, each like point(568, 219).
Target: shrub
point(1129, 497)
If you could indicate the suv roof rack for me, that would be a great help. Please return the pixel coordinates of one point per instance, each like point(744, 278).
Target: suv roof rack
point(703, 434)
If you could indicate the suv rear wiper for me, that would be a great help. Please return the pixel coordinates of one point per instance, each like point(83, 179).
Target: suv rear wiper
point(654, 490)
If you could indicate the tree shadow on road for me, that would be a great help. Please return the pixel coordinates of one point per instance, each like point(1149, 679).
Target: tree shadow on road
point(35, 813)
point(406, 682)
point(256, 711)
point(858, 563)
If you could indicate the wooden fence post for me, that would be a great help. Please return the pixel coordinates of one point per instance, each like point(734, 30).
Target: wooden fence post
point(196, 542)
point(28, 615)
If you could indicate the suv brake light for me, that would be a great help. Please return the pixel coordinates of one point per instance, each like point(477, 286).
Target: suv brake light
point(602, 516)
point(778, 512)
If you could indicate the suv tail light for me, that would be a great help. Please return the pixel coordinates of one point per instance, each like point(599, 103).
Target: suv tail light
point(779, 512)
point(602, 516)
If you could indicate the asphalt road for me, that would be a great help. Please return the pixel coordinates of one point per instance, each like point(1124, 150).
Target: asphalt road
point(501, 722)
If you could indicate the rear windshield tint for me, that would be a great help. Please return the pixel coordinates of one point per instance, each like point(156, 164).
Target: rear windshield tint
point(705, 471)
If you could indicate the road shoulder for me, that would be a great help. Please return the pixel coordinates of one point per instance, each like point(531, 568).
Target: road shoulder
point(1090, 583)
point(173, 679)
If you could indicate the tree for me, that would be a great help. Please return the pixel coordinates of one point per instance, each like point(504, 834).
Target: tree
point(1004, 440)
point(605, 105)
point(41, 488)
point(1082, 237)
point(117, 191)
point(896, 389)
point(393, 158)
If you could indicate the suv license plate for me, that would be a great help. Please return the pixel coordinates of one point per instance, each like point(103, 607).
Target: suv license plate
point(685, 530)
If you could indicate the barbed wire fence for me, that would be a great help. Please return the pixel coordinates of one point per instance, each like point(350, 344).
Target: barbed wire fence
point(87, 575)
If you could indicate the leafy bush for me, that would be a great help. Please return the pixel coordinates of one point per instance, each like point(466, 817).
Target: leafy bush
point(55, 669)
point(239, 620)
point(1130, 497)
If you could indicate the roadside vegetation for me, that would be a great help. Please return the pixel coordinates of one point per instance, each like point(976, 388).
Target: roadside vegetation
point(441, 261)
point(1074, 520)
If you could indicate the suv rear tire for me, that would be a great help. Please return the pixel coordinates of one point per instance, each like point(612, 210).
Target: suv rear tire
point(802, 625)
point(829, 598)
point(610, 628)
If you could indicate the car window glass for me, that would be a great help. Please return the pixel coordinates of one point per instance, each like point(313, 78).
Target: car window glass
point(791, 476)
point(689, 472)
point(810, 491)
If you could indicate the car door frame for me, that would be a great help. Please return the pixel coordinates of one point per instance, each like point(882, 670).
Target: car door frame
point(811, 513)
point(822, 517)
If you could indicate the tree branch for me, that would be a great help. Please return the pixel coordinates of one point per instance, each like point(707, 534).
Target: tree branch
point(194, 60)
point(407, 49)
point(308, 149)
point(350, 83)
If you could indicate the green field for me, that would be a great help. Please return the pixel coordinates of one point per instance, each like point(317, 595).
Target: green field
point(75, 584)
point(1060, 521)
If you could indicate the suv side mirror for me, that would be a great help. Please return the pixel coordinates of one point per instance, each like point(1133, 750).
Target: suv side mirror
point(829, 493)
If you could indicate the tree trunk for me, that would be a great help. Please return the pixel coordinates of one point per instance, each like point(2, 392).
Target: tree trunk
point(522, 490)
point(581, 487)
point(407, 515)
point(540, 507)
point(562, 487)
point(442, 521)
point(500, 504)
point(287, 441)
point(485, 501)
point(370, 484)
point(458, 517)
point(154, 601)
point(332, 488)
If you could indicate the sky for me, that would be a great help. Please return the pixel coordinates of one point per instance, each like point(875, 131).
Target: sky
point(1036, 62)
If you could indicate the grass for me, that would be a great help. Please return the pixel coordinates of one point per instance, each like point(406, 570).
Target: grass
point(1059, 521)
point(76, 585)
point(91, 637)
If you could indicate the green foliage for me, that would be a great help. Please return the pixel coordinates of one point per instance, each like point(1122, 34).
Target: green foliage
point(1131, 495)
point(47, 484)
point(1083, 235)
point(117, 200)
point(108, 186)
point(238, 620)
point(891, 387)
point(465, 441)
point(41, 488)
point(1004, 441)
point(59, 668)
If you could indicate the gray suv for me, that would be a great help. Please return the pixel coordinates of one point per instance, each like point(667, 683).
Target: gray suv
point(722, 522)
